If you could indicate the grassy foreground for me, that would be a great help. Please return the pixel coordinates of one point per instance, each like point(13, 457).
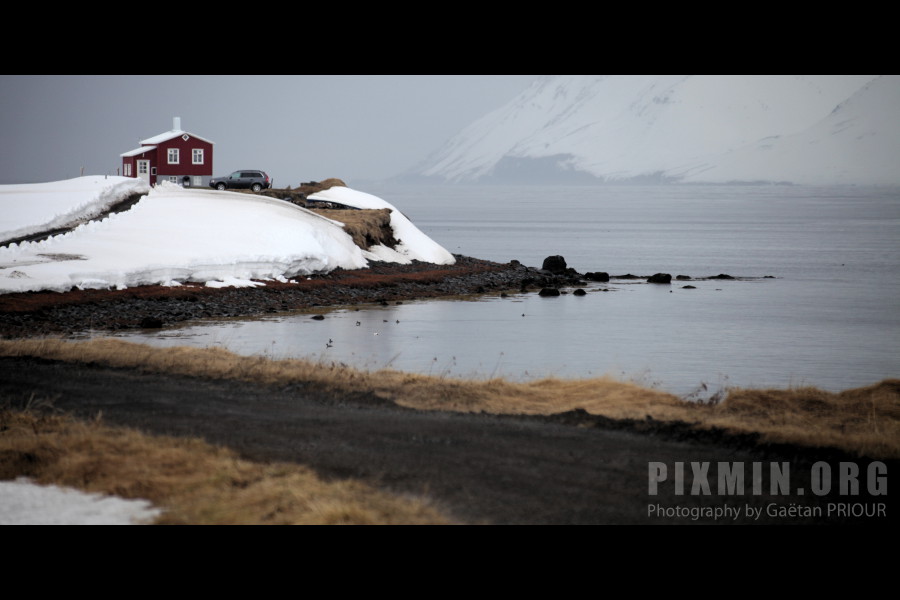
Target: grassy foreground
point(864, 421)
point(194, 483)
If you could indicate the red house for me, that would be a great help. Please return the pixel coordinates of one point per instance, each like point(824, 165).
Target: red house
point(176, 156)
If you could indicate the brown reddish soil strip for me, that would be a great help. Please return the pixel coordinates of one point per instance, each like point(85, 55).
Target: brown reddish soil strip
point(376, 277)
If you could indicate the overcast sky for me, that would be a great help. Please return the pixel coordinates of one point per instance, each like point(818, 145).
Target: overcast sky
point(295, 127)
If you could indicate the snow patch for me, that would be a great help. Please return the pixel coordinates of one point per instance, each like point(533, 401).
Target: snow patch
point(25, 503)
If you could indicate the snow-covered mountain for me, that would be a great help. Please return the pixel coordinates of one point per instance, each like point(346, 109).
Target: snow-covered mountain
point(803, 129)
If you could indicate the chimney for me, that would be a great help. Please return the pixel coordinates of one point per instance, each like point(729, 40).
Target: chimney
point(176, 124)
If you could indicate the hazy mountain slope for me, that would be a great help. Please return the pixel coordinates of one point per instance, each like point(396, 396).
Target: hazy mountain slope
point(858, 142)
point(692, 128)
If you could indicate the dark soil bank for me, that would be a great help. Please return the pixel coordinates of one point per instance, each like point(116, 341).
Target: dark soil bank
point(40, 313)
point(565, 469)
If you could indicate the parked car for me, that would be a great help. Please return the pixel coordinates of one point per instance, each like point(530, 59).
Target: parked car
point(242, 180)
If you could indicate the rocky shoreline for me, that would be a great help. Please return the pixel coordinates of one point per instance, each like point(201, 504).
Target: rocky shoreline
point(51, 313)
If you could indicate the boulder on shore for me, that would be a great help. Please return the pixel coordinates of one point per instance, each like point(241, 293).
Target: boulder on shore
point(555, 264)
point(660, 278)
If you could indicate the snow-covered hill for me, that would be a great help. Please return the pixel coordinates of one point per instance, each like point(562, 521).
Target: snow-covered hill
point(814, 129)
point(175, 235)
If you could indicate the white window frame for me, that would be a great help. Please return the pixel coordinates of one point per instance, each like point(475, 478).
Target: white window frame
point(174, 156)
point(143, 166)
point(197, 156)
point(127, 170)
point(173, 179)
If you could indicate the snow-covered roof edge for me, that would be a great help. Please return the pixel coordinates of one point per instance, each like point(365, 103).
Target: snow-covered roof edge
point(162, 137)
point(137, 151)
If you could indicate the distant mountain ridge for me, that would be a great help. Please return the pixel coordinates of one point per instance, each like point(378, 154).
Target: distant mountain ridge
point(812, 129)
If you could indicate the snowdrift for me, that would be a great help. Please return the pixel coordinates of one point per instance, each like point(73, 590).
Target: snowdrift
point(175, 235)
point(36, 207)
point(414, 245)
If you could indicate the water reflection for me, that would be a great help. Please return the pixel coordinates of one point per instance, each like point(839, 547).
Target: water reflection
point(743, 332)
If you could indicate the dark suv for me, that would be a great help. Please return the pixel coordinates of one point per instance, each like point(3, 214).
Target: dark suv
point(242, 180)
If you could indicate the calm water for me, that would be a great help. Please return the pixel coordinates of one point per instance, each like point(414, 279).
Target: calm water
point(817, 303)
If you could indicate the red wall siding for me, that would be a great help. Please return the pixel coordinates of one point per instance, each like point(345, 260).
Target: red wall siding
point(185, 166)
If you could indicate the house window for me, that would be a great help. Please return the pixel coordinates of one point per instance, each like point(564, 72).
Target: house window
point(142, 167)
point(173, 156)
point(197, 156)
point(197, 180)
point(127, 172)
point(173, 179)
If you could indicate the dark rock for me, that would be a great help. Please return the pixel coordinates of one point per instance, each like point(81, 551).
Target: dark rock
point(580, 292)
point(549, 292)
point(318, 317)
point(151, 323)
point(688, 287)
point(628, 276)
point(554, 264)
point(599, 276)
point(683, 278)
point(660, 278)
point(722, 276)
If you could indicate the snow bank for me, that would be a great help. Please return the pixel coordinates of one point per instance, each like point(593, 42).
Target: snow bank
point(26, 503)
point(414, 245)
point(176, 235)
point(35, 207)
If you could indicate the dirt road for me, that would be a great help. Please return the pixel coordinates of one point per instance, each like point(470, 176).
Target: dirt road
point(569, 469)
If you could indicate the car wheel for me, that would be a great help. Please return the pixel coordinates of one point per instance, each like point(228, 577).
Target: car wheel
point(220, 186)
point(256, 187)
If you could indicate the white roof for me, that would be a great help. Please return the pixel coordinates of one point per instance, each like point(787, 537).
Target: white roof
point(137, 151)
point(162, 137)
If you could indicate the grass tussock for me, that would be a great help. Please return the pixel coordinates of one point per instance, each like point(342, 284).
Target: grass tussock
point(865, 421)
point(311, 187)
point(367, 227)
point(298, 194)
point(190, 480)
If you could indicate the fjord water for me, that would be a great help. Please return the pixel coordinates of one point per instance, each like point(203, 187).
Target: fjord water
point(816, 299)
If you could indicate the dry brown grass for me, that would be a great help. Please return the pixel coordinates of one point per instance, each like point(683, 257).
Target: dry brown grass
point(192, 481)
point(865, 421)
point(298, 194)
point(318, 186)
point(367, 227)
